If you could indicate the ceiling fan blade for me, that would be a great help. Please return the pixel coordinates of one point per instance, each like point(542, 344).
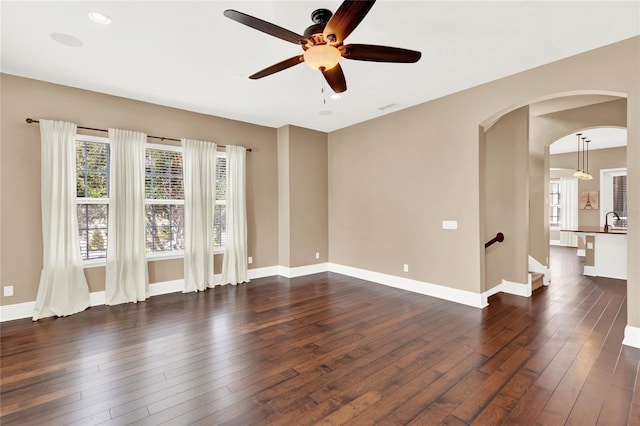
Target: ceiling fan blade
point(287, 63)
point(346, 19)
point(335, 78)
point(265, 27)
point(370, 52)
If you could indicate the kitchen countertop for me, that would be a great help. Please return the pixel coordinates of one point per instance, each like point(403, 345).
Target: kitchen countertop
point(596, 230)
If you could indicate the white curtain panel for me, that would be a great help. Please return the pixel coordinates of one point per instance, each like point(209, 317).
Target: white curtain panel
point(568, 210)
point(234, 262)
point(126, 279)
point(63, 288)
point(199, 168)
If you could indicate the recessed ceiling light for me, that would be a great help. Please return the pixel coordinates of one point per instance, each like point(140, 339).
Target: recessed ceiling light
point(336, 97)
point(100, 18)
point(66, 39)
point(325, 112)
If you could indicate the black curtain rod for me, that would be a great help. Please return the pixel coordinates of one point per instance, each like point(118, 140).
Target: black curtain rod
point(162, 138)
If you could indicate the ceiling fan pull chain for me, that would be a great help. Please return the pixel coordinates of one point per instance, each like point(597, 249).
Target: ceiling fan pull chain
point(324, 95)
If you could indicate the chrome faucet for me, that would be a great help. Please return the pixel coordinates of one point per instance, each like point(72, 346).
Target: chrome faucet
point(606, 220)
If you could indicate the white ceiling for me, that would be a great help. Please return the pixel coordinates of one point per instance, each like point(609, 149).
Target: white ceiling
point(600, 137)
point(188, 55)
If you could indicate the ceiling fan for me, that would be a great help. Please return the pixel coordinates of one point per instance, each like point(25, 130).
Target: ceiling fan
point(323, 42)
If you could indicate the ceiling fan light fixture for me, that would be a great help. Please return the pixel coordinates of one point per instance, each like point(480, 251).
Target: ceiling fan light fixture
point(322, 57)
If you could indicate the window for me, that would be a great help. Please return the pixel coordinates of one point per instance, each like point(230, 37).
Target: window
point(554, 202)
point(220, 210)
point(164, 193)
point(613, 190)
point(620, 200)
point(92, 194)
point(164, 198)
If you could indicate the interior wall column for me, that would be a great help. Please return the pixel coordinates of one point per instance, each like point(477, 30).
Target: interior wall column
point(303, 236)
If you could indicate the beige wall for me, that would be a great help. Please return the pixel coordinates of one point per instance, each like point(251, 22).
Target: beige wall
point(303, 182)
point(538, 233)
point(506, 196)
point(393, 180)
point(21, 243)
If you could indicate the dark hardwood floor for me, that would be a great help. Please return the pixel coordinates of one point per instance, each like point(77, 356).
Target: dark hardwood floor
point(329, 349)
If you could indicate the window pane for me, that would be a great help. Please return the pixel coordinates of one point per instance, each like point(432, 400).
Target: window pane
point(163, 178)
point(176, 188)
point(163, 183)
point(165, 227)
point(620, 195)
point(96, 184)
point(92, 164)
point(219, 226)
point(92, 230)
point(620, 200)
point(221, 178)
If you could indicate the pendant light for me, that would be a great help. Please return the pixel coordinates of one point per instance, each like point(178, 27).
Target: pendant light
point(578, 173)
point(586, 167)
point(583, 173)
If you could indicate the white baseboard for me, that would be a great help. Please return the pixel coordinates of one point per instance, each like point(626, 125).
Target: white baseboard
point(631, 336)
point(165, 287)
point(16, 311)
point(590, 271)
point(509, 287)
point(441, 292)
point(268, 271)
point(300, 271)
point(518, 289)
point(97, 298)
point(555, 243)
point(478, 300)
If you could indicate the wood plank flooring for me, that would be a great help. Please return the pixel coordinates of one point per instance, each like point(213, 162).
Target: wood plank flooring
point(328, 349)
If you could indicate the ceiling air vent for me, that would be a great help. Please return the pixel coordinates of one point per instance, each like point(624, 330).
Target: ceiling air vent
point(388, 107)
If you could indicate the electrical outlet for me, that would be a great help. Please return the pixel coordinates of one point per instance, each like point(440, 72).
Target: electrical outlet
point(317, 255)
point(8, 290)
point(250, 260)
point(405, 267)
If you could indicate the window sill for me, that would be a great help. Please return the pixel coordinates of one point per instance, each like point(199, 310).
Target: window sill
point(96, 263)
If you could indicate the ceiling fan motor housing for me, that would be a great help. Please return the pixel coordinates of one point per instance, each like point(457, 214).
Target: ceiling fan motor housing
point(320, 17)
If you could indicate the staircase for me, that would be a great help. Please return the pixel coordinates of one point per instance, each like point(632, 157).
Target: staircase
point(537, 279)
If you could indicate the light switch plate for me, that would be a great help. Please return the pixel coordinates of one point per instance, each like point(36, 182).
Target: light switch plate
point(449, 224)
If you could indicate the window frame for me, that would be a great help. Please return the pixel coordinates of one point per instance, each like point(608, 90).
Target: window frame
point(169, 254)
point(557, 225)
point(93, 201)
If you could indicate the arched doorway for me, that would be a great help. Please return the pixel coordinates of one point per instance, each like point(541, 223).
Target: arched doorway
point(514, 179)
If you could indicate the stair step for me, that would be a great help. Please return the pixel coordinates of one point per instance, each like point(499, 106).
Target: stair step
point(536, 280)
